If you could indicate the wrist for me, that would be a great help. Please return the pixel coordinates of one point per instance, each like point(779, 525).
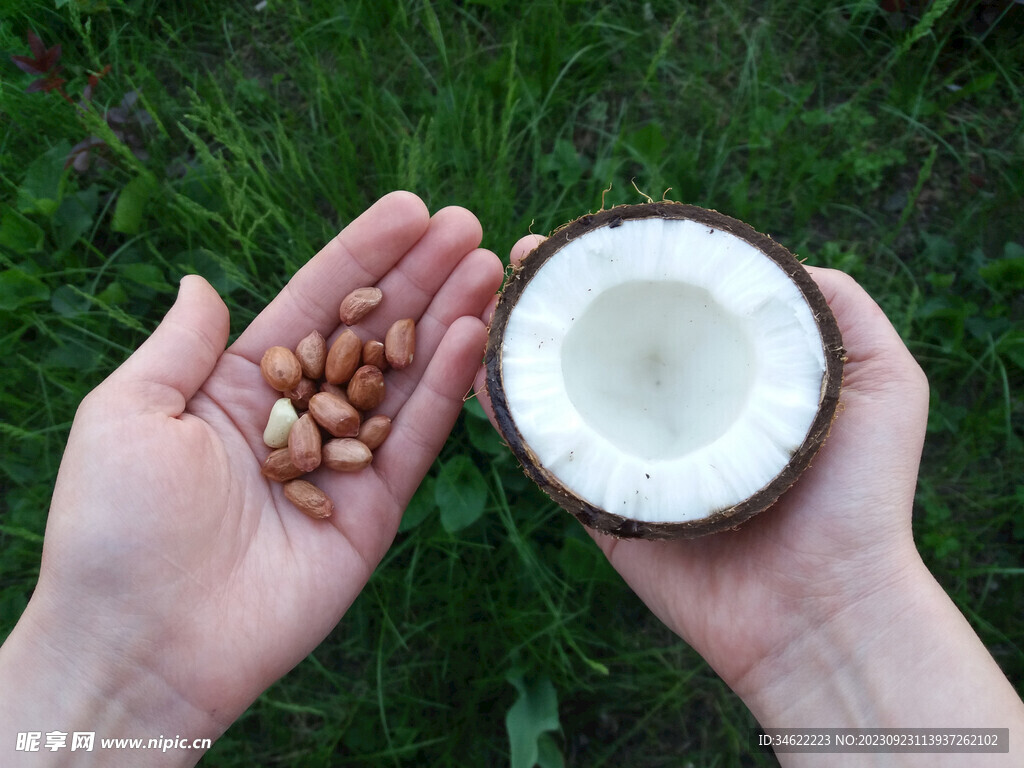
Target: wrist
point(58, 683)
point(836, 658)
point(900, 657)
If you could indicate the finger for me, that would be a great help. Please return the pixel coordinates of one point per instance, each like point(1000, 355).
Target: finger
point(470, 286)
point(519, 251)
point(872, 343)
point(364, 251)
point(424, 422)
point(883, 404)
point(410, 287)
point(522, 248)
point(171, 365)
point(418, 432)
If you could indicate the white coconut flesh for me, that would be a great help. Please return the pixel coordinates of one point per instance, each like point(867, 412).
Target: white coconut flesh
point(661, 369)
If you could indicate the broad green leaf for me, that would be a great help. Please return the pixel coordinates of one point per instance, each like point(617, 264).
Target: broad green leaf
point(648, 144)
point(149, 275)
point(40, 189)
point(482, 434)
point(473, 408)
point(113, 294)
point(1011, 346)
point(548, 753)
point(18, 289)
point(532, 715)
point(460, 493)
point(1005, 275)
point(131, 204)
point(564, 161)
point(75, 215)
point(420, 507)
point(582, 561)
point(77, 357)
point(19, 233)
point(68, 301)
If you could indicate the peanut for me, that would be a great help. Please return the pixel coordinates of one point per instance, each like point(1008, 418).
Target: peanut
point(400, 343)
point(373, 354)
point(333, 387)
point(281, 368)
point(366, 388)
point(278, 466)
point(304, 444)
point(358, 304)
point(346, 454)
point(335, 414)
point(300, 395)
point(343, 358)
point(374, 430)
point(309, 499)
point(279, 424)
point(312, 355)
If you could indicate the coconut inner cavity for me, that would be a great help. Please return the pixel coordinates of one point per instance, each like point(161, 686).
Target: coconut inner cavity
point(659, 368)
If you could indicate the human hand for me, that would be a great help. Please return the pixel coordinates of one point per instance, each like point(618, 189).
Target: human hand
point(178, 583)
point(840, 536)
point(801, 604)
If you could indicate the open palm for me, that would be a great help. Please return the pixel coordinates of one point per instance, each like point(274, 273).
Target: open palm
point(167, 549)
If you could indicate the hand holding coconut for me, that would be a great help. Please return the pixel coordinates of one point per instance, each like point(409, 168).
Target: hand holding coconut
point(819, 612)
point(177, 580)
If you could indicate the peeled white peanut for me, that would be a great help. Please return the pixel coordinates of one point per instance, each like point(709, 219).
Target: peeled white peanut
point(282, 416)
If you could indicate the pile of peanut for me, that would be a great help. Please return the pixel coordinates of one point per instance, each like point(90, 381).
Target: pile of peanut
point(321, 418)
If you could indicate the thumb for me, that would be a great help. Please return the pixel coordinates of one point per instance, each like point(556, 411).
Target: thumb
point(181, 353)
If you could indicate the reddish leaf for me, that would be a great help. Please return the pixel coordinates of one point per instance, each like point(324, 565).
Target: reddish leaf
point(41, 62)
point(80, 154)
point(47, 84)
point(28, 65)
point(36, 45)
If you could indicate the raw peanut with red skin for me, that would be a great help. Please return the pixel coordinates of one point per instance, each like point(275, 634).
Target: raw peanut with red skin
point(281, 368)
point(317, 377)
point(346, 454)
point(278, 466)
point(400, 343)
point(335, 414)
point(312, 355)
point(300, 394)
point(334, 389)
point(309, 499)
point(359, 304)
point(374, 431)
point(373, 354)
point(366, 389)
point(343, 358)
point(304, 444)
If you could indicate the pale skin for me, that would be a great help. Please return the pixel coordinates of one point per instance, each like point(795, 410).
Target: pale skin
point(177, 584)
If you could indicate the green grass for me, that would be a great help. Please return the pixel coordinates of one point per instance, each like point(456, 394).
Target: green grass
point(890, 150)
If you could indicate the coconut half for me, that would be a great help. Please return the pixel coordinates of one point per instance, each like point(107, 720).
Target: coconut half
point(663, 370)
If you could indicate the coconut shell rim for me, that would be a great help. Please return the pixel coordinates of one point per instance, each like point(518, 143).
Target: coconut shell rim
point(617, 525)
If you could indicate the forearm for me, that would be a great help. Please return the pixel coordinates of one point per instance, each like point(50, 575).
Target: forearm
point(64, 690)
point(905, 658)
